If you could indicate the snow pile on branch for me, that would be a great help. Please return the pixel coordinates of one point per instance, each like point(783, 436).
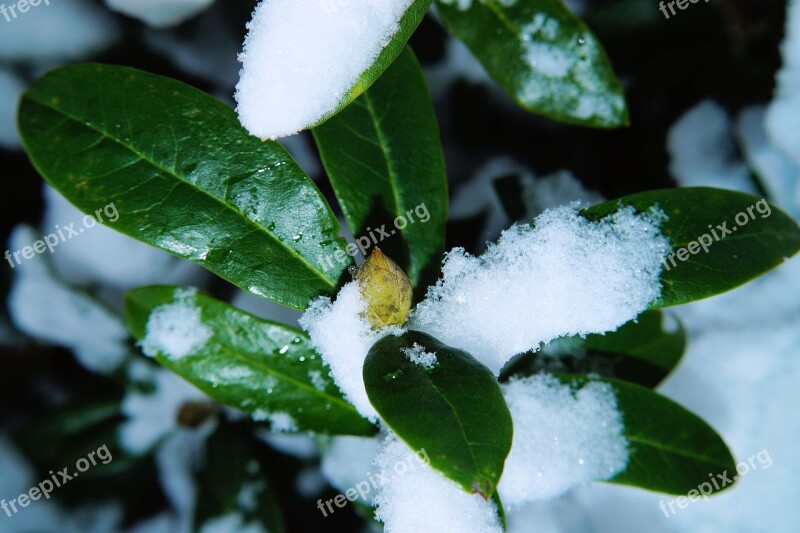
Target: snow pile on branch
point(176, 329)
point(11, 88)
point(343, 338)
point(44, 307)
point(415, 497)
point(160, 13)
point(301, 57)
point(784, 112)
point(561, 439)
point(701, 145)
point(61, 30)
point(565, 276)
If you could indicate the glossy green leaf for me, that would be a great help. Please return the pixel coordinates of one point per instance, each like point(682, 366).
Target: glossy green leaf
point(233, 481)
point(643, 351)
point(183, 176)
point(670, 449)
point(543, 56)
point(384, 159)
point(453, 409)
point(406, 27)
point(738, 250)
point(267, 369)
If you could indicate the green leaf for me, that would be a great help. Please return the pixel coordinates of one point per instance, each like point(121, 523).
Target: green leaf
point(543, 56)
point(643, 351)
point(733, 256)
point(184, 176)
point(408, 24)
point(261, 367)
point(233, 480)
point(671, 450)
point(384, 159)
point(454, 410)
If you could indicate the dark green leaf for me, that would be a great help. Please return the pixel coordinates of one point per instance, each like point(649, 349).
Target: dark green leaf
point(671, 450)
point(183, 176)
point(741, 252)
point(454, 410)
point(261, 367)
point(543, 56)
point(233, 481)
point(384, 159)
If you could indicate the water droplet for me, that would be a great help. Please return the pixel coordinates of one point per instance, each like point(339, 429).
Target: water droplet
point(284, 350)
point(297, 237)
point(297, 340)
point(302, 358)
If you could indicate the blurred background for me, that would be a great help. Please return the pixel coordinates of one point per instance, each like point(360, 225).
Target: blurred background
point(701, 88)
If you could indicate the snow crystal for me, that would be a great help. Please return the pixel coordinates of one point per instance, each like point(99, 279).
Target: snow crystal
point(417, 355)
point(343, 338)
point(62, 30)
point(565, 276)
point(346, 461)
point(418, 498)
point(44, 307)
point(176, 329)
point(561, 438)
point(703, 153)
point(301, 57)
point(11, 87)
point(160, 13)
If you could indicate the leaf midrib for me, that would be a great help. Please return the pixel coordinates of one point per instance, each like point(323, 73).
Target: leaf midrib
point(259, 229)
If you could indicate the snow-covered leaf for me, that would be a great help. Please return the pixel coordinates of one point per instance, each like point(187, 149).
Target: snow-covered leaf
point(720, 239)
point(441, 400)
point(303, 61)
point(384, 159)
point(670, 449)
point(543, 56)
point(184, 176)
point(234, 494)
point(266, 369)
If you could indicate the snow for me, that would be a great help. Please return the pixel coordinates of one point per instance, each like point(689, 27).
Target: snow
point(418, 498)
point(301, 57)
point(45, 308)
point(11, 88)
point(176, 330)
point(347, 461)
point(231, 522)
point(783, 113)
point(553, 190)
point(63, 30)
point(702, 150)
point(561, 439)
point(160, 13)
point(417, 355)
point(779, 173)
point(343, 339)
point(152, 416)
point(565, 276)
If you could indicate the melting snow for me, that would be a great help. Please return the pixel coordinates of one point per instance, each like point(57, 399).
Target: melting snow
point(176, 329)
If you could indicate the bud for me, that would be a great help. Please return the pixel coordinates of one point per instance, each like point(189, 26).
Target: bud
point(386, 289)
